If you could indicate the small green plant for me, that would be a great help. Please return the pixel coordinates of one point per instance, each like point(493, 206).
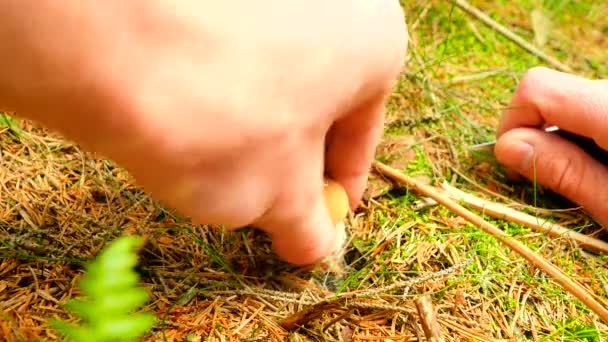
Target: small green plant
point(110, 297)
point(12, 124)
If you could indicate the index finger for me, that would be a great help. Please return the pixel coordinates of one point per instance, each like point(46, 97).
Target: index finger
point(573, 103)
point(351, 144)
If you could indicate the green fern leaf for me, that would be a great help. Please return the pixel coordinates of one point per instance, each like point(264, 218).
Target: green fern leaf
point(110, 297)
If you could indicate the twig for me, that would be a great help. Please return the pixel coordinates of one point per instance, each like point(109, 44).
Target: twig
point(340, 317)
point(280, 297)
point(474, 77)
point(561, 278)
point(591, 264)
point(409, 282)
point(420, 17)
point(428, 319)
point(500, 211)
point(359, 304)
point(473, 11)
point(346, 299)
point(304, 316)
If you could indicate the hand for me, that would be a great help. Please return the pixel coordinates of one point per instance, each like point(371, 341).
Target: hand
point(229, 111)
point(574, 104)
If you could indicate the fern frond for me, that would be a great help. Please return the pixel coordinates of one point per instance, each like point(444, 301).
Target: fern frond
point(111, 295)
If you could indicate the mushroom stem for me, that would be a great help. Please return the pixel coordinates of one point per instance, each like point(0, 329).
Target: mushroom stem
point(336, 200)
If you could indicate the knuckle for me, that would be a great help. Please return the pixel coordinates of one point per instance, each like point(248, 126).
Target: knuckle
point(566, 175)
point(218, 203)
point(531, 80)
point(534, 74)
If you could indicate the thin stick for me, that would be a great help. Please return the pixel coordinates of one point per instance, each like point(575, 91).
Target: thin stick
point(561, 278)
point(503, 212)
point(335, 302)
point(473, 11)
point(428, 319)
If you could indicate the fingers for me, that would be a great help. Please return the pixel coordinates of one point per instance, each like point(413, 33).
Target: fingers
point(546, 96)
point(305, 239)
point(305, 232)
point(299, 222)
point(308, 233)
point(558, 164)
point(352, 140)
point(351, 144)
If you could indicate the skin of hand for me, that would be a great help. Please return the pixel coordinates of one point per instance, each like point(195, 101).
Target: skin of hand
point(573, 103)
point(229, 111)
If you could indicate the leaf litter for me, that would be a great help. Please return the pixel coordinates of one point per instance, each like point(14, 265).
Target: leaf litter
point(61, 206)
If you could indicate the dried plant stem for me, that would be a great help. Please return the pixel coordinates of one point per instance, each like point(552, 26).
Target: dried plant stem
point(559, 276)
point(428, 319)
point(408, 283)
point(500, 211)
point(311, 299)
point(353, 299)
point(475, 12)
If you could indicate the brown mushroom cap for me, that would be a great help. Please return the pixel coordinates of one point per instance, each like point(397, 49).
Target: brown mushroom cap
point(336, 200)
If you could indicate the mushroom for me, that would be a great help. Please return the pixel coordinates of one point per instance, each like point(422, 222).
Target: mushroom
point(336, 201)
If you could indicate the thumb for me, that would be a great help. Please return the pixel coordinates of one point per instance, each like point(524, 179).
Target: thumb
point(302, 222)
point(307, 239)
point(558, 164)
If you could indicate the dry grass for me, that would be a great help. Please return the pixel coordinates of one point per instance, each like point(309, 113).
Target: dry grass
point(60, 206)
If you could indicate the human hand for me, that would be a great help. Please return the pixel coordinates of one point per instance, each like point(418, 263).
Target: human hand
point(231, 112)
point(574, 104)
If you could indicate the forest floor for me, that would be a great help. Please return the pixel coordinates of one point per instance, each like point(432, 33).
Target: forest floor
point(61, 206)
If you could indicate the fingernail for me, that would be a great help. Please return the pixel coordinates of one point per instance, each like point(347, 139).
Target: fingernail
point(517, 155)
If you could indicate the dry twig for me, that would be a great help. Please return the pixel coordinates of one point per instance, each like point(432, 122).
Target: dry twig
point(428, 319)
point(558, 275)
point(315, 309)
point(500, 211)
